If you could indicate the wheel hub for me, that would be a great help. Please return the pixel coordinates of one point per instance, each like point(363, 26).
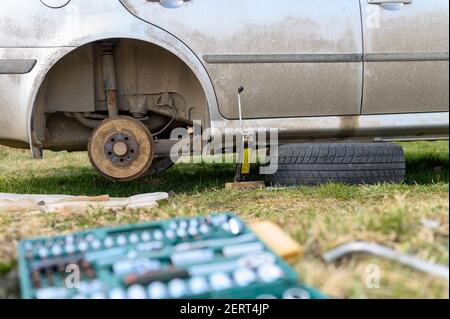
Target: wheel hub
point(121, 149)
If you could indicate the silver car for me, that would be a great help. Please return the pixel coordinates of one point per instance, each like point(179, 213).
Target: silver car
point(116, 77)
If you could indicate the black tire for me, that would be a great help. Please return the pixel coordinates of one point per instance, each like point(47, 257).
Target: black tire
point(347, 163)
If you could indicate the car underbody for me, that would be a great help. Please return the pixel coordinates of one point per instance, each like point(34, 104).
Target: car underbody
point(113, 77)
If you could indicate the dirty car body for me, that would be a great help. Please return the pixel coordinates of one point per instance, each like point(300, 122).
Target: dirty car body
point(347, 70)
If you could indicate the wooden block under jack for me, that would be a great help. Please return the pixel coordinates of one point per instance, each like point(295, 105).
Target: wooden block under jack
point(277, 240)
point(245, 185)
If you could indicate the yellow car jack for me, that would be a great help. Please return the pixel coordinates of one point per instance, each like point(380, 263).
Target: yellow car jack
point(242, 173)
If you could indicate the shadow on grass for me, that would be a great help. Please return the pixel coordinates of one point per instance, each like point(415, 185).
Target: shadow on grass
point(424, 168)
point(182, 178)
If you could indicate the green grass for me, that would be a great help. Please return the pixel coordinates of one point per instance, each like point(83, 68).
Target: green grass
point(319, 218)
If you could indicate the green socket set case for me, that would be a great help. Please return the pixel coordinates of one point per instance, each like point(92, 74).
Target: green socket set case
point(215, 256)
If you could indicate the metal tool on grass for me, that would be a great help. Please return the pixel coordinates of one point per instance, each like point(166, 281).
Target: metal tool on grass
point(387, 253)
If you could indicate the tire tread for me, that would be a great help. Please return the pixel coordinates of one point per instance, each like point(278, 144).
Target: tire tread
point(348, 163)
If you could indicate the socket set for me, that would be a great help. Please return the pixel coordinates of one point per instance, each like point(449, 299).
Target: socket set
point(215, 256)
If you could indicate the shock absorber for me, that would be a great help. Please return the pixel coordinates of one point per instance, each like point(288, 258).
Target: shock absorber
point(109, 77)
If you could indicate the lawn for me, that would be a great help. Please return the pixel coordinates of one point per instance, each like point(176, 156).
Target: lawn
point(319, 218)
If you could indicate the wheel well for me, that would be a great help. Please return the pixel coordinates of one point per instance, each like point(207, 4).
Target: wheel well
point(153, 84)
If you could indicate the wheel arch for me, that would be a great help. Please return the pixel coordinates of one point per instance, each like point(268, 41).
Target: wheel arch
point(152, 35)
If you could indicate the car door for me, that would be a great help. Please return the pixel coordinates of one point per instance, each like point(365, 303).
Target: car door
point(294, 57)
point(406, 53)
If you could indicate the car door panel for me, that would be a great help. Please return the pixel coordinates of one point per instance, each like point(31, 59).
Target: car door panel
point(294, 57)
point(288, 90)
point(406, 57)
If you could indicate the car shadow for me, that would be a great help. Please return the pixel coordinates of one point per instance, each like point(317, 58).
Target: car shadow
point(426, 169)
point(184, 178)
point(181, 178)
